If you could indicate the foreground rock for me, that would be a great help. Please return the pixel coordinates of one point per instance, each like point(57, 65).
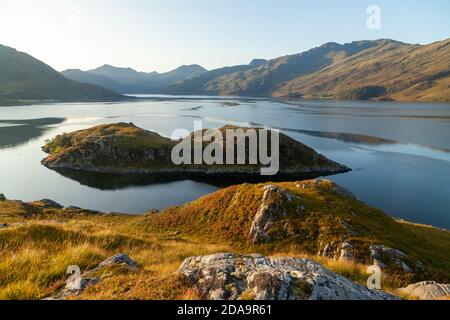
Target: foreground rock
point(426, 290)
point(233, 277)
point(123, 148)
point(76, 286)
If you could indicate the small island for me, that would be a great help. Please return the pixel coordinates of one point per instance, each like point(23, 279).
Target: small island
point(123, 148)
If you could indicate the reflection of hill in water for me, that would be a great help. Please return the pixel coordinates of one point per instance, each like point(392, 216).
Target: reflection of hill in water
point(104, 181)
point(18, 132)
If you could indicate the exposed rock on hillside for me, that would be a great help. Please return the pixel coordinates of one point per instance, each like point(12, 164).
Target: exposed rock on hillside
point(76, 286)
point(233, 277)
point(427, 290)
point(126, 149)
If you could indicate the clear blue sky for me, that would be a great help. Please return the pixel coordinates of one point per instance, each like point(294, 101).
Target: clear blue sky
point(163, 34)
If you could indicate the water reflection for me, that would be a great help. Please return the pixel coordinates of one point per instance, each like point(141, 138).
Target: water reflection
point(17, 132)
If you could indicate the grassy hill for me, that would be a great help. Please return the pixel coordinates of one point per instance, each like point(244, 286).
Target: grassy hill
point(24, 79)
point(39, 240)
point(313, 217)
point(391, 70)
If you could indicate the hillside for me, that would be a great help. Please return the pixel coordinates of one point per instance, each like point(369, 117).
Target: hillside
point(289, 222)
point(361, 70)
point(314, 217)
point(92, 78)
point(24, 79)
point(198, 85)
point(127, 80)
point(391, 71)
point(126, 149)
point(267, 77)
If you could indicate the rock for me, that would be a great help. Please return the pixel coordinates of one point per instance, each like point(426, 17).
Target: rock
point(47, 204)
point(78, 285)
point(270, 209)
point(71, 208)
point(118, 260)
point(383, 256)
point(427, 290)
point(346, 251)
point(3, 225)
point(230, 277)
point(343, 192)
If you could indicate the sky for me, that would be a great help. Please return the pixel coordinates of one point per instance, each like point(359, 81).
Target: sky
point(160, 35)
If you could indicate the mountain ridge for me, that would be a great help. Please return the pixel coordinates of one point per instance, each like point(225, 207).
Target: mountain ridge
point(289, 76)
point(24, 79)
point(128, 80)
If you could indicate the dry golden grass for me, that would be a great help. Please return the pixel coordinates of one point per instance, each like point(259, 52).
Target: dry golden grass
point(39, 244)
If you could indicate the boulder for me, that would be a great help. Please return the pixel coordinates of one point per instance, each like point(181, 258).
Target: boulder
point(231, 277)
point(427, 290)
point(76, 286)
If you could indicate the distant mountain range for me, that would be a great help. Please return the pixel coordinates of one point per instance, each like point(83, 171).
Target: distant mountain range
point(24, 79)
point(127, 80)
point(362, 70)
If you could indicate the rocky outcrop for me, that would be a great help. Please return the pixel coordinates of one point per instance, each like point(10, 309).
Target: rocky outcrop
point(232, 277)
point(384, 256)
point(47, 204)
point(77, 284)
point(339, 251)
point(123, 148)
point(426, 290)
point(271, 209)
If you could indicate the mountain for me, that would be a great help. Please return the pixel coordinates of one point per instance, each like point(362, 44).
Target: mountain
point(198, 85)
point(261, 77)
point(128, 80)
point(390, 70)
point(361, 70)
point(24, 79)
point(92, 78)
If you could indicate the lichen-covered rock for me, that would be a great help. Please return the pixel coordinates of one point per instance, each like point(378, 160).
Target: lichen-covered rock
point(426, 290)
point(231, 277)
point(343, 252)
point(76, 285)
point(270, 209)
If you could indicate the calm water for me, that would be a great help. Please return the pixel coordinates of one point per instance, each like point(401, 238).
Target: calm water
point(399, 153)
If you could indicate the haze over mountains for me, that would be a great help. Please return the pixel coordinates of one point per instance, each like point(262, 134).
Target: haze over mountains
point(362, 70)
point(127, 80)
